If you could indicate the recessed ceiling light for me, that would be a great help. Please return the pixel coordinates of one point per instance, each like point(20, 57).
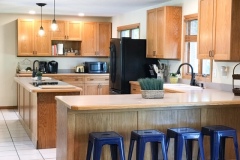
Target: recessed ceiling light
point(81, 14)
point(31, 12)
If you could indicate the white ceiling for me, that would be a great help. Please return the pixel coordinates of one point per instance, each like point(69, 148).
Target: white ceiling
point(106, 8)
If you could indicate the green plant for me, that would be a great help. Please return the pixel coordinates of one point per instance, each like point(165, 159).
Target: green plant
point(151, 83)
point(173, 74)
point(38, 74)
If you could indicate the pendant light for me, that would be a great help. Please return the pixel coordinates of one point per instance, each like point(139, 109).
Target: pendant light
point(41, 30)
point(54, 25)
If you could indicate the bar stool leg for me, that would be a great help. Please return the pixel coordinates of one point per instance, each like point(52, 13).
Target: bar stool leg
point(222, 148)
point(178, 148)
point(154, 149)
point(215, 141)
point(164, 152)
point(131, 149)
point(200, 146)
point(113, 149)
point(89, 150)
point(188, 146)
point(121, 150)
point(140, 150)
point(97, 151)
point(235, 141)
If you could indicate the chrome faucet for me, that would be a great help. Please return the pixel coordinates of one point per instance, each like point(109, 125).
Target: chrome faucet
point(193, 81)
point(34, 69)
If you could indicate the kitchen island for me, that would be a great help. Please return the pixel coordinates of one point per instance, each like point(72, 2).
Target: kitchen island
point(77, 116)
point(37, 108)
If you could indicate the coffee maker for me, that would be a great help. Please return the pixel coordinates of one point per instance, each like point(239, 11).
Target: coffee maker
point(43, 66)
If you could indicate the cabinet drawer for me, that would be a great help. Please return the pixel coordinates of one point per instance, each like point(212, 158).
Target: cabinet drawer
point(97, 79)
point(70, 79)
point(135, 89)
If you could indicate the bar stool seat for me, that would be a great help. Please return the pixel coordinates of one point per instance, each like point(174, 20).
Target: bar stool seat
point(98, 139)
point(218, 135)
point(187, 135)
point(142, 137)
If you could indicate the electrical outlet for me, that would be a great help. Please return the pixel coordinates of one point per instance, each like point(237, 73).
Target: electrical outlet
point(215, 73)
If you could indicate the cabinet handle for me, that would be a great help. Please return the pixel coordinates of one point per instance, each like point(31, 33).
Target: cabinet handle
point(76, 79)
point(134, 89)
point(91, 79)
point(154, 53)
point(106, 79)
point(212, 53)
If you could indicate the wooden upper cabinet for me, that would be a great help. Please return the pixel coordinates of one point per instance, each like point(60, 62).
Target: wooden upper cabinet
point(219, 30)
point(42, 44)
point(29, 42)
point(96, 38)
point(68, 30)
point(164, 26)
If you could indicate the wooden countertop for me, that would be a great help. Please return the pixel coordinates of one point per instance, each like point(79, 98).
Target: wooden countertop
point(190, 98)
point(25, 82)
point(61, 74)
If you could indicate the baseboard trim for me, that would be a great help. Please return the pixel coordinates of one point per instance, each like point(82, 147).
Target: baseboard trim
point(8, 107)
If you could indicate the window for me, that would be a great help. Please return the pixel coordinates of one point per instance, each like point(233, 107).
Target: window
point(132, 31)
point(201, 67)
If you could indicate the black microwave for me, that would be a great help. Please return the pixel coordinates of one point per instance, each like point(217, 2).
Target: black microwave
point(96, 67)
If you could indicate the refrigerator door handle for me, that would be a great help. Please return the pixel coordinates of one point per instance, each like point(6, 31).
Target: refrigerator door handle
point(113, 64)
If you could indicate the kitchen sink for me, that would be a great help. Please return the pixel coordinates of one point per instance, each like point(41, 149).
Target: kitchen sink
point(39, 83)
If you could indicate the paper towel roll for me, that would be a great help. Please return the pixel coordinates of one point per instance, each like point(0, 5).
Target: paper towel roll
point(59, 48)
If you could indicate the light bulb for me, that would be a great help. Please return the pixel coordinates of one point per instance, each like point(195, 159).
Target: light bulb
point(54, 25)
point(41, 31)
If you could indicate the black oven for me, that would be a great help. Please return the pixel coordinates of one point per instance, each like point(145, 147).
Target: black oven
point(96, 67)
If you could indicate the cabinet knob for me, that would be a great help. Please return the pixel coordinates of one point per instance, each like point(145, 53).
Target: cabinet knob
point(134, 89)
point(212, 53)
point(154, 53)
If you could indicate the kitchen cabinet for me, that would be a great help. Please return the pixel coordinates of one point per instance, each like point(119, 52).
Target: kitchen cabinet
point(219, 30)
point(96, 85)
point(135, 89)
point(68, 30)
point(96, 38)
point(164, 26)
point(29, 42)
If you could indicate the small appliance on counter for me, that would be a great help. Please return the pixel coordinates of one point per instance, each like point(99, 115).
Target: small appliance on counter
point(43, 66)
point(79, 69)
point(52, 67)
point(96, 67)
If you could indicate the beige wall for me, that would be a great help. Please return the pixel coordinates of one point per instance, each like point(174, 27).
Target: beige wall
point(9, 60)
point(189, 7)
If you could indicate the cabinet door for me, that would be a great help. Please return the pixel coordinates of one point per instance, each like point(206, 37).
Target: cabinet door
point(223, 29)
point(89, 39)
point(103, 38)
point(74, 30)
point(171, 32)
point(205, 28)
point(103, 89)
point(151, 33)
point(25, 37)
point(60, 33)
point(135, 89)
point(91, 89)
point(42, 44)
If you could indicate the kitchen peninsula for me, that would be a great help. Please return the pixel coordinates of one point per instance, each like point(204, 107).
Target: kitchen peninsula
point(37, 108)
point(77, 116)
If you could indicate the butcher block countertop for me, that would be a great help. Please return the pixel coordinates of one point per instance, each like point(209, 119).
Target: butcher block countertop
point(61, 87)
point(189, 98)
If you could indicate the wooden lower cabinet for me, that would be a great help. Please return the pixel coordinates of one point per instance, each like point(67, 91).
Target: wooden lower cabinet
point(96, 89)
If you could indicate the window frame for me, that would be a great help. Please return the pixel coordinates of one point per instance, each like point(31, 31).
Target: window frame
point(193, 38)
point(129, 27)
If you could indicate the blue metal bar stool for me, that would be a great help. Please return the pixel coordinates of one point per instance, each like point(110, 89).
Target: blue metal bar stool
point(187, 135)
point(218, 135)
point(144, 136)
point(98, 139)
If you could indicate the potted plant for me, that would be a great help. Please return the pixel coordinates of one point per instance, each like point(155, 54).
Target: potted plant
point(173, 77)
point(39, 75)
point(151, 87)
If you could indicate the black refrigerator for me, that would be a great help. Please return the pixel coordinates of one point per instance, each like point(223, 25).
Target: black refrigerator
point(128, 62)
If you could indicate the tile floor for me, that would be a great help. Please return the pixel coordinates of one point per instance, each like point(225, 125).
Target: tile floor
point(14, 141)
